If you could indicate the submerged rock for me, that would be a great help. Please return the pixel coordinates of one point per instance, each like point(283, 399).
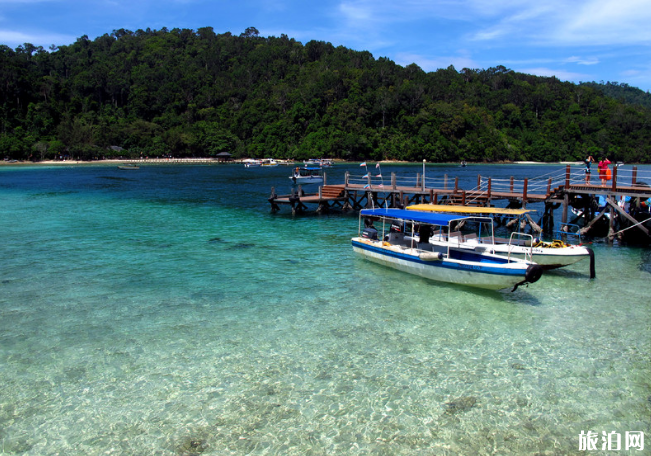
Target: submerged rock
point(191, 447)
point(242, 245)
point(462, 404)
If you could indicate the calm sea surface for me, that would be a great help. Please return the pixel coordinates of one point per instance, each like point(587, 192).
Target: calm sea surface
point(166, 311)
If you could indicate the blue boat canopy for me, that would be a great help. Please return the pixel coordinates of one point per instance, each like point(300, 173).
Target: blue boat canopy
point(433, 218)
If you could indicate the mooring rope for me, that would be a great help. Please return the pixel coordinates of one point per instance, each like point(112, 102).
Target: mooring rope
point(632, 226)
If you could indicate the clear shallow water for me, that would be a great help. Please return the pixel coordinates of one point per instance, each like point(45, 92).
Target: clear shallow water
point(166, 311)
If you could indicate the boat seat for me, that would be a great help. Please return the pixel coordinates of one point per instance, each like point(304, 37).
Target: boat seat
point(456, 234)
point(396, 239)
point(410, 241)
point(439, 237)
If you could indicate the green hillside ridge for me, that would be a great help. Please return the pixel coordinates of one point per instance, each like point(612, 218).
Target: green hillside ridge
point(191, 93)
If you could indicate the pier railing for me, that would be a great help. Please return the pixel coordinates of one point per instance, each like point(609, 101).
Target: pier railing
point(620, 177)
point(557, 186)
point(544, 185)
point(486, 186)
point(394, 182)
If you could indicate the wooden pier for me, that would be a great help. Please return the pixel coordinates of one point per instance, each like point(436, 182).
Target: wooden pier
point(564, 188)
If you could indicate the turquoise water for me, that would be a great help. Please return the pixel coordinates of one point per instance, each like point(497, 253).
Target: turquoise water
point(166, 311)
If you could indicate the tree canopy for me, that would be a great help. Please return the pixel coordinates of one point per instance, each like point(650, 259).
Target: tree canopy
point(185, 92)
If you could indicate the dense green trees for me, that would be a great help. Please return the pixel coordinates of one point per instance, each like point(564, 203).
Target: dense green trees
point(197, 93)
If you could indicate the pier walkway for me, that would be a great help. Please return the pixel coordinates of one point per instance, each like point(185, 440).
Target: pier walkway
point(565, 187)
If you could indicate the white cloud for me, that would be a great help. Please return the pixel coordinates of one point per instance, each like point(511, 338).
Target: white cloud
point(608, 22)
point(433, 64)
point(555, 22)
point(13, 38)
point(490, 34)
point(516, 18)
point(355, 12)
point(639, 76)
point(560, 74)
point(582, 61)
point(384, 12)
point(632, 73)
point(25, 2)
point(551, 23)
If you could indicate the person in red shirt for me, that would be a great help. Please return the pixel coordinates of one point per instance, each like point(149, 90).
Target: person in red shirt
point(604, 171)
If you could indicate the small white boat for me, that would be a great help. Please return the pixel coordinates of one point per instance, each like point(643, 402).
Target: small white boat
point(401, 249)
point(307, 175)
point(549, 255)
point(252, 163)
point(268, 162)
point(319, 162)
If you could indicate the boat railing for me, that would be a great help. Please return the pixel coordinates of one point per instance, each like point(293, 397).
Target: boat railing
point(518, 239)
point(569, 230)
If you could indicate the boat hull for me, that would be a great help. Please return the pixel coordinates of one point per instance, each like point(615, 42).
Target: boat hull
point(492, 276)
point(547, 257)
point(306, 180)
point(550, 258)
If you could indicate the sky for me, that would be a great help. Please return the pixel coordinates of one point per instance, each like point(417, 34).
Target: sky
point(574, 40)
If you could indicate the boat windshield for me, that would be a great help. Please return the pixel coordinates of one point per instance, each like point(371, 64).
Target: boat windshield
point(310, 171)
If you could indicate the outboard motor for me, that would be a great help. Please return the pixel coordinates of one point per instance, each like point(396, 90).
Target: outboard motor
point(369, 233)
point(533, 274)
point(396, 226)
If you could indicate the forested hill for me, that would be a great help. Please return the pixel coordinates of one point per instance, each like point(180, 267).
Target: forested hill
point(197, 93)
point(623, 92)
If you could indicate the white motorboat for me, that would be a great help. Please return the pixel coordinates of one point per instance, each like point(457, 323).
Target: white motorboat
point(549, 255)
point(252, 163)
point(401, 248)
point(319, 162)
point(307, 175)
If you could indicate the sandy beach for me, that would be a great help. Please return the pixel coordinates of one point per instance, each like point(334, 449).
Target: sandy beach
point(114, 161)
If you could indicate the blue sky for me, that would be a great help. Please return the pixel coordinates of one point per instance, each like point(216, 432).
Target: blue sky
point(576, 40)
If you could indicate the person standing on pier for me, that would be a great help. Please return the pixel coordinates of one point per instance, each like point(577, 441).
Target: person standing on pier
point(587, 162)
point(604, 171)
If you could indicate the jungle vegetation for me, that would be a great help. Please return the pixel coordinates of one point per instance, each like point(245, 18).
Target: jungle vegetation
point(187, 93)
